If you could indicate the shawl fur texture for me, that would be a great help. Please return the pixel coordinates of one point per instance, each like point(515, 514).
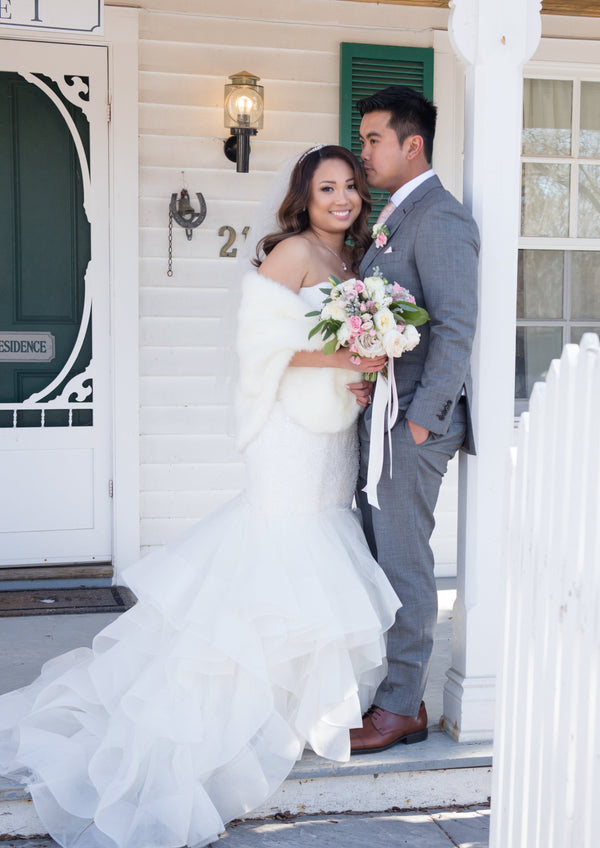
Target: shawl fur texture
point(272, 327)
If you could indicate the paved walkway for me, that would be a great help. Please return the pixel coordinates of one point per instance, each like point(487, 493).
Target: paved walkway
point(467, 828)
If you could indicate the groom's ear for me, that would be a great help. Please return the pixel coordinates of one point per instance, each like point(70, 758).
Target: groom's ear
point(415, 146)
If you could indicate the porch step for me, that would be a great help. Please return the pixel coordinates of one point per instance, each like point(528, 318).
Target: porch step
point(437, 773)
point(56, 576)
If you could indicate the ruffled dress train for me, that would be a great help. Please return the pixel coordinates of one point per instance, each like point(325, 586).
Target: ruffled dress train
point(256, 632)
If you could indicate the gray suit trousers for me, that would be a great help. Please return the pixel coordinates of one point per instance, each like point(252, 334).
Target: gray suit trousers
point(398, 535)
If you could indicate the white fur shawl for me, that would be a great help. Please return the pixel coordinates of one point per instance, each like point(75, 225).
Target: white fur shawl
point(272, 327)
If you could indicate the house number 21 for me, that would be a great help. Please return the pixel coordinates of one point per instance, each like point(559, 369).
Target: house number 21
point(228, 251)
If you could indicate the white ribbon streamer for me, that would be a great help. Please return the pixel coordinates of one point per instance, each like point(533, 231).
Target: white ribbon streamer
point(385, 398)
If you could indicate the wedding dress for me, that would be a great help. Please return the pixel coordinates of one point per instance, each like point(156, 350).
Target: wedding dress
point(258, 631)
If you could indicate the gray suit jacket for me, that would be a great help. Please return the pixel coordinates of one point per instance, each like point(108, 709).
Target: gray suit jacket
point(432, 250)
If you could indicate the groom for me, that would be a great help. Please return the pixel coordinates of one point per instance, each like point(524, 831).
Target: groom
point(431, 248)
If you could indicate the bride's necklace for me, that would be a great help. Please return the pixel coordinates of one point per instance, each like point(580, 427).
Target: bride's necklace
point(331, 250)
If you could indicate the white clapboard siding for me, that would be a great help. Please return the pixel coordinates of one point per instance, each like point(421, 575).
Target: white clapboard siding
point(547, 746)
point(153, 269)
point(187, 51)
point(220, 476)
point(171, 332)
point(183, 301)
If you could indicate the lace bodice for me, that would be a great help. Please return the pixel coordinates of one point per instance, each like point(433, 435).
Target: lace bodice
point(290, 470)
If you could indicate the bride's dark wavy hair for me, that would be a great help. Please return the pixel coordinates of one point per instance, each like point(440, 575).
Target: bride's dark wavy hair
point(292, 216)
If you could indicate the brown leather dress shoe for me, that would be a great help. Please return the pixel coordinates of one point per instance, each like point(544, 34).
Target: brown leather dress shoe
point(382, 729)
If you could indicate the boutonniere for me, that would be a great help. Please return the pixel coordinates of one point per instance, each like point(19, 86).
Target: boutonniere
point(380, 234)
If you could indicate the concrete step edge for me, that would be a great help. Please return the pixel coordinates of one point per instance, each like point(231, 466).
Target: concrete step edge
point(439, 753)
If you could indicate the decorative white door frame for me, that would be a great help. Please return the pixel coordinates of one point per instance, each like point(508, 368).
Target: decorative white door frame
point(121, 35)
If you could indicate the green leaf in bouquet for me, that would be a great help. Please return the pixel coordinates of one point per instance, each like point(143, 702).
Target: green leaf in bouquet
point(410, 313)
point(330, 346)
point(313, 314)
point(317, 329)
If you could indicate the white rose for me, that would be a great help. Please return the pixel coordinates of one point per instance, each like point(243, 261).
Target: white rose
point(394, 343)
point(375, 287)
point(343, 334)
point(372, 283)
point(380, 299)
point(384, 321)
point(412, 336)
point(333, 310)
point(369, 346)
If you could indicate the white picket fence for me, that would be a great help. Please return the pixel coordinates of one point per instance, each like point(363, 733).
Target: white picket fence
point(546, 785)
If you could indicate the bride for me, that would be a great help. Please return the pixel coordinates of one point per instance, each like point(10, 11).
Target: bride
point(261, 629)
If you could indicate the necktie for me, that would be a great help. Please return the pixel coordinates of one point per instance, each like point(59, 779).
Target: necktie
point(386, 212)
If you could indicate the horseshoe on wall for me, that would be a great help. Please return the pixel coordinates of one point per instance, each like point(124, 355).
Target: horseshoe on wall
point(183, 212)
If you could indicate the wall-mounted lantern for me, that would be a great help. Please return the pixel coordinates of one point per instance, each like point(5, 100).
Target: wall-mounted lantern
point(244, 107)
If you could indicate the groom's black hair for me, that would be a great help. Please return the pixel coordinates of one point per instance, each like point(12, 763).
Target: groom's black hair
point(411, 113)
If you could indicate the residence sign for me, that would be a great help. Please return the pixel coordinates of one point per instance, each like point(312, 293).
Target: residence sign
point(26, 347)
point(69, 15)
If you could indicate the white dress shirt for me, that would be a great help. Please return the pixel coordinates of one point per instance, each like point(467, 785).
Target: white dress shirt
point(398, 196)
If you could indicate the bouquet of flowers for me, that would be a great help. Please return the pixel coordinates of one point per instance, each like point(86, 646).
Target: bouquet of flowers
point(371, 317)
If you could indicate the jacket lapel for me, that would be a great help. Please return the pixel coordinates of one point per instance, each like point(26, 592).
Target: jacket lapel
point(397, 218)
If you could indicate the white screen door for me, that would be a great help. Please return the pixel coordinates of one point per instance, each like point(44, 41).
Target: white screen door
point(55, 388)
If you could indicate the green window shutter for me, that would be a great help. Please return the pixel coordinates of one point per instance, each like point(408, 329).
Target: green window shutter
point(367, 68)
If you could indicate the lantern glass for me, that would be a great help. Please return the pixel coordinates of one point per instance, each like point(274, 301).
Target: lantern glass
point(244, 102)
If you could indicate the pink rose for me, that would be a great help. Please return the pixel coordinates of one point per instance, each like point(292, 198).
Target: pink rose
point(401, 293)
point(359, 287)
point(355, 324)
point(380, 240)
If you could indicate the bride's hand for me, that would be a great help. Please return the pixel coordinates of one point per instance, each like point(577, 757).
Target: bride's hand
point(344, 360)
point(362, 391)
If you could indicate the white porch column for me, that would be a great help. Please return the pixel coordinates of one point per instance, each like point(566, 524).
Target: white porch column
point(494, 38)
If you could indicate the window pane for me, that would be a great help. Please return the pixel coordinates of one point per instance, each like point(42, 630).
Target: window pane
point(545, 200)
point(540, 284)
point(536, 348)
point(585, 285)
point(547, 110)
point(588, 224)
point(589, 133)
point(577, 332)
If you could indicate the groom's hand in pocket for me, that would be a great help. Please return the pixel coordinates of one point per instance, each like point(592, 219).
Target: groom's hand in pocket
point(362, 391)
point(418, 433)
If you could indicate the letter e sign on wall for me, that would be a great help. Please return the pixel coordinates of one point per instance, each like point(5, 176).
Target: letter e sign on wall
point(70, 15)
